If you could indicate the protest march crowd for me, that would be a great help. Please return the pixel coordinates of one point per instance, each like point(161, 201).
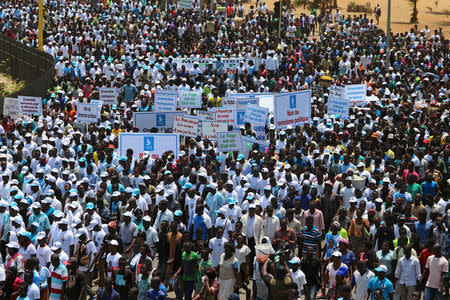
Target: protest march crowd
point(315, 196)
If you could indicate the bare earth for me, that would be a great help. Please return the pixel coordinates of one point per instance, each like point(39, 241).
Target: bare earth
point(400, 13)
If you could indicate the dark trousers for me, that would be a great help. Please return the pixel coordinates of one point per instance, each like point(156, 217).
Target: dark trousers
point(188, 287)
point(251, 244)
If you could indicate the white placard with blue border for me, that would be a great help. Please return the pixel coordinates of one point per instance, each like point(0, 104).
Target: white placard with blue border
point(256, 115)
point(165, 100)
point(153, 144)
point(356, 94)
point(338, 103)
point(292, 109)
point(162, 120)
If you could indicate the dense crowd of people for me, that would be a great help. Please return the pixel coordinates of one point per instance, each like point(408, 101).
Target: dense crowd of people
point(342, 208)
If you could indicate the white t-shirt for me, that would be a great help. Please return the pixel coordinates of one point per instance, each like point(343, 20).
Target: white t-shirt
point(2, 273)
point(436, 267)
point(362, 283)
point(67, 239)
point(332, 272)
point(218, 247)
point(346, 193)
point(241, 254)
point(112, 261)
point(151, 238)
point(299, 278)
point(33, 292)
point(28, 252)
point(44, 254)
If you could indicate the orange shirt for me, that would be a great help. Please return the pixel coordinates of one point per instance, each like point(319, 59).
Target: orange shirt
point(173, 241)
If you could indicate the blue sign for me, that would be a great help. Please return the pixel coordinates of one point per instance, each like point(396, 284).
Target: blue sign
point(240, 117)
point(161, 120)
point(149, 143)
point(292, 101)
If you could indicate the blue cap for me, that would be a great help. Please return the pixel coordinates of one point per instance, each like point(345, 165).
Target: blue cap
point(82, 159)
point(231, 200)
point(26, 234)
point(167, 172)
point(90, 205)
point(18, 196)
point(123, 158)
point(178, 213)
point(136, 192)
point(187, 185)
point(240, 156)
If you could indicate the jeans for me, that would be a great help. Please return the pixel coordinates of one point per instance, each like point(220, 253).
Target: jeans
point(188, 287)
point(177, 289)
point(162, 265)
point(431, 293)
point(311, 292)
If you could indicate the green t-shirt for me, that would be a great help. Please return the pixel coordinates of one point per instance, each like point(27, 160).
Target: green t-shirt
point(202, 267)
point(414, 189)
point(189, 263)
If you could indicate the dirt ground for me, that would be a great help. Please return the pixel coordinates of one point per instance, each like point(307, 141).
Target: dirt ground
point(429, 14)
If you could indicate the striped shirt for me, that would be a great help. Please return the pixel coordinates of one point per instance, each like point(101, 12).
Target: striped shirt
point(59, 276)
point(311, 238)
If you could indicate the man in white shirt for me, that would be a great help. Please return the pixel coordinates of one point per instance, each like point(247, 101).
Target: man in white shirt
point(163, 214)
point(297, 275)
point(346, 193)
point(97, 233)
point(128, 230)
point(66, 238)
point(217, 246)
point(151, 234)
point(43, 252)
point(361, 279)
point(232, 211)
point(271, 223)
point(435, 269)
point(408, 275)
point(33, 290)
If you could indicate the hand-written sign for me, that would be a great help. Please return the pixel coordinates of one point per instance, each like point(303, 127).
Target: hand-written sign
point(87, 112)
point(210, 129)
point(225, 115)
point(229, 141)
point(256, 115)
point(108, 95)
point(356, 94)
point(30, 105)
point(337, 102)
point(190, 99)
point(165, 100)
point(11, 107)
point(185, 126)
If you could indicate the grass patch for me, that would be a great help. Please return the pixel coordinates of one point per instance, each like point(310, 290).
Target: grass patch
point(9, 85)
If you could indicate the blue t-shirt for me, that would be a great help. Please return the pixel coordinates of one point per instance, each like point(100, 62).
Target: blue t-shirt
point(113, 296)
point(423, 230)
point(199, 222)
point(129, 92)
point(385, 285)
point(429, 188)
point(348, 258)
point(156, 295)
point(332, 243)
